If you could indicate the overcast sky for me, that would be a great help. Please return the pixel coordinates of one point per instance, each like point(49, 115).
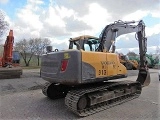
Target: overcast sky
point(60, 20)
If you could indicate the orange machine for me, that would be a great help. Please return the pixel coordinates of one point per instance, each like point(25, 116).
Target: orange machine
point(7, 68)
point(6, 60)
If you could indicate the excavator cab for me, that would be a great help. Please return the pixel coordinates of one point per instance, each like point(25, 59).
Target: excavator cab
point(85, 42)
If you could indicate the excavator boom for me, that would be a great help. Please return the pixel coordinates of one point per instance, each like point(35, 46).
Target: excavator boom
point(8, 49)
point(112, 31)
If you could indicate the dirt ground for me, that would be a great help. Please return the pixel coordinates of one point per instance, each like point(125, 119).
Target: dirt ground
point(31, 80)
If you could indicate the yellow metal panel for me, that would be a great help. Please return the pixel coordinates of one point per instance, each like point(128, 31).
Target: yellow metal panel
point(105, 64)
point(112, 64)
point(94, 59)
point(121, 68)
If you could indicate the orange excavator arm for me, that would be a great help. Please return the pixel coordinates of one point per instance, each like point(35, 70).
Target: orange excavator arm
point(8, 69)
point(8, 49)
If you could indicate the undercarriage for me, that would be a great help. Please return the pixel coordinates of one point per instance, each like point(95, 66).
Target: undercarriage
point(89, 99)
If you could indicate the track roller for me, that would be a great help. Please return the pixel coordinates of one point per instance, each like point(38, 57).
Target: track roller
point(82, 103)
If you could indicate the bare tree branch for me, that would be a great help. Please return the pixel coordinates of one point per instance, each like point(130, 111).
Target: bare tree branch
point(3, 24)
point(28, 48)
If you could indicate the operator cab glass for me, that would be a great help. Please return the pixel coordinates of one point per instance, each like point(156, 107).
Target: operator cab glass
point(89, 44)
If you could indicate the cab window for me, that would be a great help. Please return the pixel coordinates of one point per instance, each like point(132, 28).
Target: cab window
point(91, 45)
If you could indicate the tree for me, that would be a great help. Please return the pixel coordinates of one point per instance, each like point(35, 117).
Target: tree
point(39, 47)
point(132, 54)
point(3, 24)
point(26, 48)
point(157, 50)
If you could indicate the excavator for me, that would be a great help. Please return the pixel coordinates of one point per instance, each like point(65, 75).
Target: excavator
point(89, 74)
point(151, 60)
point(129, 64)
point(9, 63)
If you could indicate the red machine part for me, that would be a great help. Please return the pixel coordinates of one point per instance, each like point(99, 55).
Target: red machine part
point(6, 60)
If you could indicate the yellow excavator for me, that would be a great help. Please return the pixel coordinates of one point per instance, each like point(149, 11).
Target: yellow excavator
point(88, 73)
point(129, 64)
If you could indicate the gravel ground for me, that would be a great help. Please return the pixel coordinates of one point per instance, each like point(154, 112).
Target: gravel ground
point(33, 105)
point(31, 80)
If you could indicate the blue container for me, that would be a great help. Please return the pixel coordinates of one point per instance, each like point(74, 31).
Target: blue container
point(16, 56)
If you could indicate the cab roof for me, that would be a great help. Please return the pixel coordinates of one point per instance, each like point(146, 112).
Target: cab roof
point(83, 37)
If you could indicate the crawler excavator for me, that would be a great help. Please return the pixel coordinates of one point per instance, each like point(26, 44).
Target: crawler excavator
point(129, 64)
point(88, 73)
point(9, 68)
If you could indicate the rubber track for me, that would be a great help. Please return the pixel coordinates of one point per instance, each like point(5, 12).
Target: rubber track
point(73, 96)
point(45, 87)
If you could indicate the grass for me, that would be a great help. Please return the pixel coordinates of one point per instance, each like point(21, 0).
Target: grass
point(31, 67)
